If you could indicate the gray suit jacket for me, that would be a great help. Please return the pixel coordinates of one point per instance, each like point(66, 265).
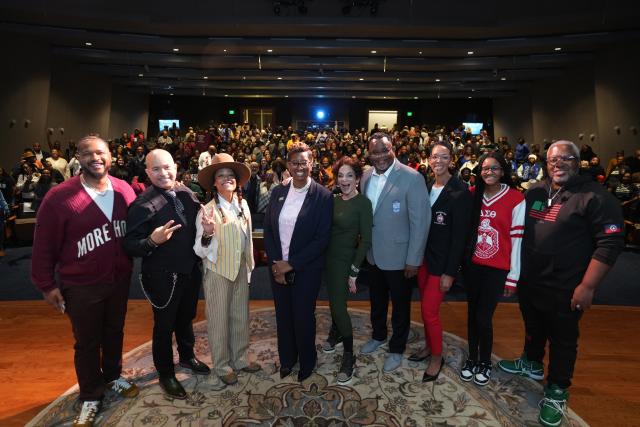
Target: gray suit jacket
point(401, 219)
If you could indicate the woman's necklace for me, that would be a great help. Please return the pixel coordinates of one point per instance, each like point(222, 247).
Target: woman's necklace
point(550, 198)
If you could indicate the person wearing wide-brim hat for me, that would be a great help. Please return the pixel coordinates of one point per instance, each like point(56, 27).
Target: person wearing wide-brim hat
point(223, 241)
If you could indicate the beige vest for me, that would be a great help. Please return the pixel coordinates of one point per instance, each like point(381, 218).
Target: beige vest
point(229, 236)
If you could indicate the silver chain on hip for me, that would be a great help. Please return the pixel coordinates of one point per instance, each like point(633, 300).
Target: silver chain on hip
point(173, 288)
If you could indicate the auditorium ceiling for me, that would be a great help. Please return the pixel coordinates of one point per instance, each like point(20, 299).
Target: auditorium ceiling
point(402, 49)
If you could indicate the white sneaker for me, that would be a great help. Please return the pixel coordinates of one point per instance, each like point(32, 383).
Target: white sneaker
point(468, 370)
point(87, 414)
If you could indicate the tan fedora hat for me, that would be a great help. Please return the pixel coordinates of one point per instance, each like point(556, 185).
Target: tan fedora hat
point(219, 161)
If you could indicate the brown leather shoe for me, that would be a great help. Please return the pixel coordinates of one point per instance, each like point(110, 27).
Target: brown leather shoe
point(252, 368)
point(230, 378)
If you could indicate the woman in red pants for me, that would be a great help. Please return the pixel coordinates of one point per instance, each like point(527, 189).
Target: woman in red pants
point(450, 208)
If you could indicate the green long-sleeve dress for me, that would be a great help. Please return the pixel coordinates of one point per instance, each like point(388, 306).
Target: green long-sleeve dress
point(350, 241)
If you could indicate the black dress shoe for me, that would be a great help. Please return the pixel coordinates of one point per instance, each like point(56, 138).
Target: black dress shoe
point(428, 378)
point(196, 366)
point(172, 387)
point(415, 357)
point(284, 372)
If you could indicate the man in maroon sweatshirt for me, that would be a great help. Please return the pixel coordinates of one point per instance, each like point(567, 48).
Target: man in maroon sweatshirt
point(79, 231)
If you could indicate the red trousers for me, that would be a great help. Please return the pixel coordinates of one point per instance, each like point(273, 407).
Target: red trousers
point(430, 300)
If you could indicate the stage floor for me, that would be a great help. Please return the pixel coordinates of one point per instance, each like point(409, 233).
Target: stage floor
point(36, 365)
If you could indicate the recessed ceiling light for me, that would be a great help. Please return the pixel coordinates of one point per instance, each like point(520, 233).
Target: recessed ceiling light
point(171, 94)
point(224, 50)
point(205, 77)
point(361, 79)
point(226, 96)
point(473, 90)
point(374, 51)
point(558, 49)
point(353, 97)
point(88, 44)
point(415, 97)
point(470, 97)
point(470, 52)
point(244, 78)
point(503, 78)
point(279, 78)
point(398, 79)
point(384, 97)
point(437, 80)
point(420, 53)
point(286, 96)
point(175, 49)
point(269, 50)
point(140, 75)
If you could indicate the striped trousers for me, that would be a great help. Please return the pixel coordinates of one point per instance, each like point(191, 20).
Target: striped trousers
point(227, 310)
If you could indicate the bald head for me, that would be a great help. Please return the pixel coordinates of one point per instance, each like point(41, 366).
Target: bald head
point(161, 169)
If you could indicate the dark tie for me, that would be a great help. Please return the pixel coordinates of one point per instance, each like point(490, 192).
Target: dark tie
point(177, 205)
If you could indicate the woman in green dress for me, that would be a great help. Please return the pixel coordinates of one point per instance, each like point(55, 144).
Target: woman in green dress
point(350, 240)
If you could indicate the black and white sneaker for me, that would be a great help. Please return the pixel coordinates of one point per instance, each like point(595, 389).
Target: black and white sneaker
point(483, 373)
point(468, 370)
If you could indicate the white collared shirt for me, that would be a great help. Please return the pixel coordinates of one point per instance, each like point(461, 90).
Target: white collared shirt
point(377, 183)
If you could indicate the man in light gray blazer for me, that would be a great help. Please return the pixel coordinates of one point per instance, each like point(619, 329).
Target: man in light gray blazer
point(401, 219)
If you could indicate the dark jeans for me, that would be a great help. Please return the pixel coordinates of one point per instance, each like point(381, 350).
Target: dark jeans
point(97, 316)
point(548, 317)
point(485, 286)
point(382, 284)
point(176, 317)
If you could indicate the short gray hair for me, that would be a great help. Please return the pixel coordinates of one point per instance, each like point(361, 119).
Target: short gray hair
point(572, 146)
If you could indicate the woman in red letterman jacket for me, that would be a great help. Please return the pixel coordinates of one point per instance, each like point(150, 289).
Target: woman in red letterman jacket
point(497, 224)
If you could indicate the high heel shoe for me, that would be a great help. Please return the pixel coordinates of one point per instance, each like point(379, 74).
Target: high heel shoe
point(428, 378)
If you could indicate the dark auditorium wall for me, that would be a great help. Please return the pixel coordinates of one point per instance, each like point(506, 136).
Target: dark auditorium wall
point(24, 96)
point(57, 94)
point(593, 99)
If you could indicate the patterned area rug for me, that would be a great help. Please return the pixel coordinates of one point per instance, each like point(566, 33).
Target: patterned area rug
point(262, 399)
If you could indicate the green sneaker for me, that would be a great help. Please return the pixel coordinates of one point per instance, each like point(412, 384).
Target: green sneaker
point(553, 405)
point(524, 367)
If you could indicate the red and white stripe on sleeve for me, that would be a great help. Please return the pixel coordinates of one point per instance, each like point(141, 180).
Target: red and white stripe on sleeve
point(516, 232)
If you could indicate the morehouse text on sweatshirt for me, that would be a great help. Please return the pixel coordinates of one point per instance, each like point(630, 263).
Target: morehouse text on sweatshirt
point(74, 239)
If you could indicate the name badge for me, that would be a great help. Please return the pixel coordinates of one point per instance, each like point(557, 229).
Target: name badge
point(395, 206)
point(281, 198)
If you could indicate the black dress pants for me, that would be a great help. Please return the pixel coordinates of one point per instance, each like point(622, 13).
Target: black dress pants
point(296, 319)
point(177, 317)
point(385, 283)
point(548, 316)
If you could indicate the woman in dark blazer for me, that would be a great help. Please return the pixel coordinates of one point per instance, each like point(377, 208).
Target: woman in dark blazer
point(297, 228)
point(448, 234)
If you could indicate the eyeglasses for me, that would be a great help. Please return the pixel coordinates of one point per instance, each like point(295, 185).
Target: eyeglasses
point(443, 157)
point(491, 168)
point(298, 164)
point(556, 159)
